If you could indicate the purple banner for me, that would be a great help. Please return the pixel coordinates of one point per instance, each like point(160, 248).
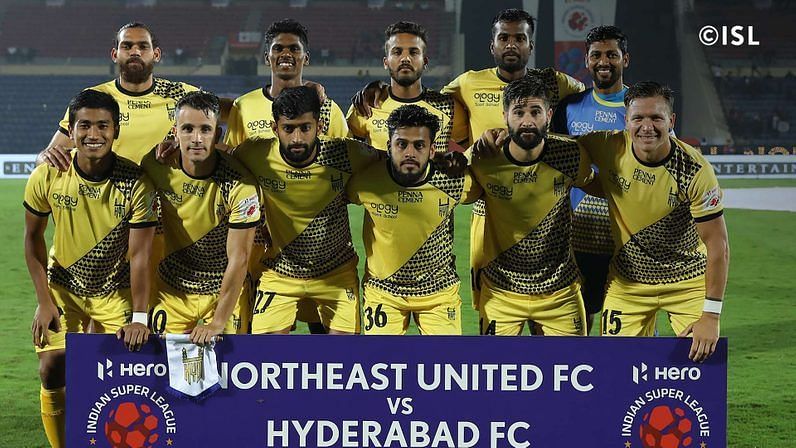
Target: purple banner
point(470, 391)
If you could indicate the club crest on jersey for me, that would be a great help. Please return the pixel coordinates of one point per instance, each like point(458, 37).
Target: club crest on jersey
point(559, 186)
point(118, 209)
point(350, 294)
point(444, 207)
point(172, 111)
point(221, 211)
point(337, 183)
point(674, 199)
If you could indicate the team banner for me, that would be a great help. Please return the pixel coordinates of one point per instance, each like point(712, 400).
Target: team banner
point(573, 20)
point(320, 391)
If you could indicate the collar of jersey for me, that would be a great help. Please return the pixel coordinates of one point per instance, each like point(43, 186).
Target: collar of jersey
point(661, 162)
point(429, 174)
point(407, 100)
point(265, 92)
point(608, 100)
point(511, 158)
point(216, 155)
point(129, 93)
point(101, 178)
point(497, 73)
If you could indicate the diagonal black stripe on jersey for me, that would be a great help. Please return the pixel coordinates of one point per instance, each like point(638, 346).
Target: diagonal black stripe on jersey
point(102, 270)
point(334, 154)
point(169, 89)
point(541, 262)
point(664, 252)
point(124, 176)
point(479, 208)
point(431, 269)
point(562, 154)
point(321, 248)
point(548, 76)
point(683, 168)
point(326, 115)
point(591, 227)
point(452, 186)
point(198, 268)
point(443, 103)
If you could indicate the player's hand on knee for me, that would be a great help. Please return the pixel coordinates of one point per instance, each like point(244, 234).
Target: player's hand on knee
point(135, 335)
point(57, 156)
point(46, 317)
point(166, 152)
point(372, 95)
point(203, 334)
point(705, 332)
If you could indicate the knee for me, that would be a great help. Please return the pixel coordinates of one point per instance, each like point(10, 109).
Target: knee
point(52, 369)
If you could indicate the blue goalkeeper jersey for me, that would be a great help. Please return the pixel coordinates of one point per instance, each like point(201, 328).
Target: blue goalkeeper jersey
point(580, 114)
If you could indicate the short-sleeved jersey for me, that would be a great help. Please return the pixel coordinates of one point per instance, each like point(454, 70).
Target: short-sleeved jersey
point(251, 116)
point(408, 231)
point(146, 118)
point(305, 207)
point(654, 207)
point(196, 215)
point(528, 224)
point(579, 114)
point(481, 94)
point(451, 115)
point(92, 218)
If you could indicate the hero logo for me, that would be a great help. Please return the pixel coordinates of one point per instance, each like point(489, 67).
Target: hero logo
point(666, 373)
point(136, 369)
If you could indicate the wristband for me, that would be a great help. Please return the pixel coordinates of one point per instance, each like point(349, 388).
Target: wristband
point(139, 318)
point(712, 306)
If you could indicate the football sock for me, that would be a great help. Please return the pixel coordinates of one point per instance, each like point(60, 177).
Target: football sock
point(53, 416)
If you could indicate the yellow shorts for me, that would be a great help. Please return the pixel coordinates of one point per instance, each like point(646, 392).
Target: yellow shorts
point(630, 307)
point(178, 312)
point(504, 313)
point(335, 297)
point(109, 313)
point(435, 314)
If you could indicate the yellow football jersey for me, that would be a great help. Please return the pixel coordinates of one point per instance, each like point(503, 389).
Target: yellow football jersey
point(92, 218)
point(196, 214)
point(305, 208)
point(481, 94)
point(408, 231)
point(653, 207)
point(146, 118)
point(452, 119)
point(527, 223)
point(251, 116)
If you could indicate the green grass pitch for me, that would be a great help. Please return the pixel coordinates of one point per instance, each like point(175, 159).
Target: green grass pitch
point(759, 321)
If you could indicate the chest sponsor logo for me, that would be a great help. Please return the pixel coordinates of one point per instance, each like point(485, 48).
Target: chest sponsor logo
point(298, 175)
point(388, 211)
point(616, 179)
point(172, 197)
point(492, 99)
point(258, 125)
point(644, 177)
point(521, 177)
point(139, 104)
point(124, 118)
point(602, 116)
point(410, 197)
point(194, 190)
point(64, 201)
point(88, 191)
point(272, 185)
point(500, 191)
point(580, 127)
point(379, 124)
